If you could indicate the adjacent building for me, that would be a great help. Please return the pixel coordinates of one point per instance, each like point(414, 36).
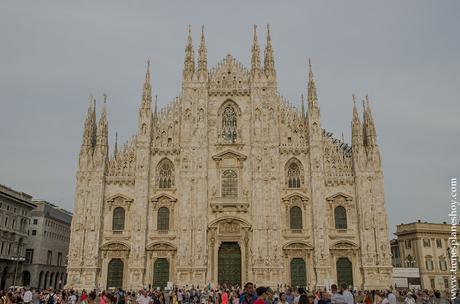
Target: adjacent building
point(15, 208)
point(424, 246)
point(230, 183)
point(47, 246)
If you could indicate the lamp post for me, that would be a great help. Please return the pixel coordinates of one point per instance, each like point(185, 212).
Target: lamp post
point(17, 258)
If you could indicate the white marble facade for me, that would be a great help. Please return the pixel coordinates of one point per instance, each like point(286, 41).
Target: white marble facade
point(230, 160)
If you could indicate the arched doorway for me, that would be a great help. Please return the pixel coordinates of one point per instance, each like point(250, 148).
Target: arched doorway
point(344, 271)
point(46, 279)
point(40, 280)
point(115, 274)
point(3, 280)
point(56, 278)
point(298, 272)
point(25, 278)
point(229, 264)
point(160, 273)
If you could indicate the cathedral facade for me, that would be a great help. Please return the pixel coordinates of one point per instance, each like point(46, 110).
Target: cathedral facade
point(229, 183)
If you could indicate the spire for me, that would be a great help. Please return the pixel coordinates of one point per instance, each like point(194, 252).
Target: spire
point(102, 130)
point(368, 123)
point(189, 61)
point(89, 128)
point(303, 107)
point(147, 92)
point(312, 96)
point(155, 112)
point(115, 148)
point(202, 56)
point(356, 129)
point(255, 54)
point(269, 61)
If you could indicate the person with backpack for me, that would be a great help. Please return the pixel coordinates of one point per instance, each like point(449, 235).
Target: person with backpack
point(120, 296)
point(51, 297)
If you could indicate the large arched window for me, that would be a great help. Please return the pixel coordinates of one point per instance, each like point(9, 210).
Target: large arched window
point(229, 124)
point(293, 175)
point(340, 216)
point(115, 274)
point(229, 184)
point(163, 219)
point(295, 218)
point(165, 177)
point(118, 221)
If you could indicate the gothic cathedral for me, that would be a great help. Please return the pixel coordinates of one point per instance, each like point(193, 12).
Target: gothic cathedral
point(229, 183)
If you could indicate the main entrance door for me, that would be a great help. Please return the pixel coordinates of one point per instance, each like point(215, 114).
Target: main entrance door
point(160, 273)
point(344, 271)
point(298, 273)
point(229, 264)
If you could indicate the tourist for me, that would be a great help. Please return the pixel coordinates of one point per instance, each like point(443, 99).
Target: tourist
point(283, 298)
point(143, 298)
point(347, 295)
point(248, 297)
point(409, 298)
point(302, 296)
point(224, 297)
point(261, 295)
point(27, 298)
point(391, 297)
point(289, 296)
point(336, 298)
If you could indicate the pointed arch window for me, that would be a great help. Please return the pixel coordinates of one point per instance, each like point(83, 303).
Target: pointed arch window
point(163, 219)
point(340, 216)
point(118, 221)
point(165, 177)
point(229, 184)
point(229, 124)
point(295, 217)
point(293, 175)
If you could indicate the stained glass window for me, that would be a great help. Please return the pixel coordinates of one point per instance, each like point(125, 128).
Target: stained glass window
point(296, 218)
point(229, 124)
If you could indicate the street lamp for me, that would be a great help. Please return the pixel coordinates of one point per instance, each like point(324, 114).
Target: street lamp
point(17, 258)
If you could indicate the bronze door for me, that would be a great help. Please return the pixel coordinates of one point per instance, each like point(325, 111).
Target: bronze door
point(160, 273)
point(298, 273)
point(229, 264)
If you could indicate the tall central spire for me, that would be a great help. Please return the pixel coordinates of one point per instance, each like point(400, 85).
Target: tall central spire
point(269, 61)
point(255, 54)
point(312, 96)
point(147, 92)
point(202, 54)
point(189, 61)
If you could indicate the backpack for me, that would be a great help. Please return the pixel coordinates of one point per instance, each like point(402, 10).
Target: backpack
point(50, 299)
point(121, 297)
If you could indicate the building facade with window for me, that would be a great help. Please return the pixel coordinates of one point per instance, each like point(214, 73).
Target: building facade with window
point(229, 183)
point(15, 208)
point(425, 246)
point(48, 246)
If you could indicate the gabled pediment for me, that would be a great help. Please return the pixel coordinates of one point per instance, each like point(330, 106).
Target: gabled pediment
point(115, 246)
point(161, 246)
point(343, 245)
point(339, 194)
point(229, 154)
point(297, 245)
point(302, 196)
point(160, 196)
point(119, 196)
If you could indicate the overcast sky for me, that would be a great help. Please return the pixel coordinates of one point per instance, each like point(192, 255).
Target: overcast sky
point(404, 54)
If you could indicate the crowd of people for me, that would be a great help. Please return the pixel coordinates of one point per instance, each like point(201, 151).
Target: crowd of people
point(227, 295)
